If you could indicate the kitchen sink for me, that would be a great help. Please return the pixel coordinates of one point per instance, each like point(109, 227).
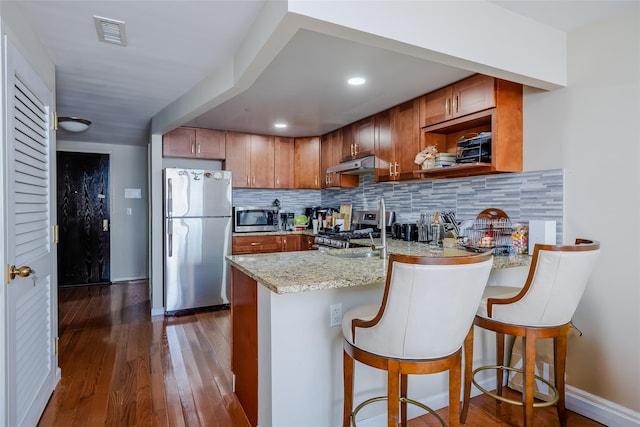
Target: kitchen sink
point(355, 254)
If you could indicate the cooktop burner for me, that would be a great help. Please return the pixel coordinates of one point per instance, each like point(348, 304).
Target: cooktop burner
point(342, 239)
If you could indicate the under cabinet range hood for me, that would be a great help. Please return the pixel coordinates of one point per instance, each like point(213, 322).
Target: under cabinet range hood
point(355, 167)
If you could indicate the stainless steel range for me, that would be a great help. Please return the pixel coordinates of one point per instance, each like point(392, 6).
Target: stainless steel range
point(364, 224)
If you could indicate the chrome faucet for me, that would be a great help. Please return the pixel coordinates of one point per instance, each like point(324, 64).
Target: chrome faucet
point(383, 232)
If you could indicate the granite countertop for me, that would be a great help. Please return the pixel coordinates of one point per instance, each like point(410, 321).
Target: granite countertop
point(290, 272)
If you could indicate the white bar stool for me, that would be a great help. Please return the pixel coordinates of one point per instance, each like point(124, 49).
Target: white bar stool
point(427, 311)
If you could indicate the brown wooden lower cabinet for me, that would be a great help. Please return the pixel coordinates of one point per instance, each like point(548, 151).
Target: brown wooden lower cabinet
point(291, 243)
point(244, 335)
point(243, 245)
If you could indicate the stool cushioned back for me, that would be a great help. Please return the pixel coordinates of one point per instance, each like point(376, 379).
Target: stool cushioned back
point(558, 282)
point(428, 312)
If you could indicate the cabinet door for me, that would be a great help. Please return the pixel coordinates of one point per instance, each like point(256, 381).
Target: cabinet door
point(291, 242)
point(348, 143)
point(255, 244)
point(210, 144)
point(331, 154)
point(364, 131)
point(435, 107)
point(385, 158)
point(328, 152)
point(473, 94)
point(307, 160)
point(405, 134)
point(179, 142)
point(262, 161)
point(238, 158)
point(283, 163)
point(307, 243)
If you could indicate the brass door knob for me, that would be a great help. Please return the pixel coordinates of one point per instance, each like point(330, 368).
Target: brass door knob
point(24, 271)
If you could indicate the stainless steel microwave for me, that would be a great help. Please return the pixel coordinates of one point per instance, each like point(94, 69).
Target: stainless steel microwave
point(255, 218)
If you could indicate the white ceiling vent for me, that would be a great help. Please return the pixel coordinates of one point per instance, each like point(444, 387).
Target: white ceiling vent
point(110, 30)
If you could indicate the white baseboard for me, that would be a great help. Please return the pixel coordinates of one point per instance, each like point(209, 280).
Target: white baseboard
point(599, 409)
point(578, 401)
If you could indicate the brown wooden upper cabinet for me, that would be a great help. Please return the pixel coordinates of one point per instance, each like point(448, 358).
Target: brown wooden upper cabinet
point(284, 162)
point(331, 154)
point(250, 158)
point(307, 162)
point(503, 120)
point(358, 139)
point(473, 94)
point(398, 142)
point(194, 143)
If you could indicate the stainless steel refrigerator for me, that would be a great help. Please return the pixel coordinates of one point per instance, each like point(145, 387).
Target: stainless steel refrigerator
point(197, 237)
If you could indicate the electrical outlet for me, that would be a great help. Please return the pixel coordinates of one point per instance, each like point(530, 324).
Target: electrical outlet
point(335, 315)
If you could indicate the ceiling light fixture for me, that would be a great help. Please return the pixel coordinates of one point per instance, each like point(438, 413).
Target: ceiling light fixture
point(73, 124)
point(356, 81)
point(280, 125)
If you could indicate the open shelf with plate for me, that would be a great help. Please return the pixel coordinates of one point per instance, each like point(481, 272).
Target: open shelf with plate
point(503, 122)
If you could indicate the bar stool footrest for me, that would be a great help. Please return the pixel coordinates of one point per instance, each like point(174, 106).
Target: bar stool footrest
point(402, 399)
point(496, 396)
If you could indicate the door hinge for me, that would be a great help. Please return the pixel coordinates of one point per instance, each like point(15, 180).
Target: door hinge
point(55, 346)
point(54, 120)
point(55, 233)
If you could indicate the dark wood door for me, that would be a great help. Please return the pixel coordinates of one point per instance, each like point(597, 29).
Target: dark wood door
point(83, 219)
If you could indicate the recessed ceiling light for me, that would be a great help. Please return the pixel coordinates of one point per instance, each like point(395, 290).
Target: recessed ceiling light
point(356, 81)
point(280, 125)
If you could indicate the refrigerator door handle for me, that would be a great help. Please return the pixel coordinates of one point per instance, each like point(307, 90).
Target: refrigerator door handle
point(170, 237)
point(169, 197)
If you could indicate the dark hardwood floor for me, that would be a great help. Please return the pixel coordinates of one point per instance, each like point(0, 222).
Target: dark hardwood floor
point(120, 368)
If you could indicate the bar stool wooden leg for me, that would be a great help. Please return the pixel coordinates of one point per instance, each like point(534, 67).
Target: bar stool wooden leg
point(348, 363)
point(404, 385)
point(499, 362)
point(393, 397)
point(468, 368)
point(454, 389)
point(529, 362)
point(559, 362)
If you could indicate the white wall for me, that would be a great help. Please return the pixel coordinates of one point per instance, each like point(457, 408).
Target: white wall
point(129, 233)
point(592, 129)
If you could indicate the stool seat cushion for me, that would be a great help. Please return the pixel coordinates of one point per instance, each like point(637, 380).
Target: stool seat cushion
point(495, 292)
point(364, 312)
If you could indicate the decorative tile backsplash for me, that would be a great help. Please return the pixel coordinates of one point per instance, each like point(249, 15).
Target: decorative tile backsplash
point(523, 196)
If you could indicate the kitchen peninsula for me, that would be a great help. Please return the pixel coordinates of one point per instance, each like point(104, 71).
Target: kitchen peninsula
point(286, 356)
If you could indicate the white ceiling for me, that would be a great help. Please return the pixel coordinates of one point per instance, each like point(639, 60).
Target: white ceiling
point(173, 45)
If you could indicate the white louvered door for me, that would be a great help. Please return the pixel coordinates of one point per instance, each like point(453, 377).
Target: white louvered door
point(31, 301)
